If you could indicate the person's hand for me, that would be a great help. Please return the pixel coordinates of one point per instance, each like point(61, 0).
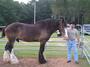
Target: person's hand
point(65, 38)
point(78, 44)
point(81, 44)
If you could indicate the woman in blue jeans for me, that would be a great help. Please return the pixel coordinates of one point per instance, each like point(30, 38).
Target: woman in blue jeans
point(72, 37)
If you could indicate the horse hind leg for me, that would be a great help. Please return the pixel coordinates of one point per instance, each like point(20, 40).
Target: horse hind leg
point(41, 56)
point(8, 55)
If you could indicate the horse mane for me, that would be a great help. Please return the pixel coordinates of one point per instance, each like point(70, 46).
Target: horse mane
point(47, 22)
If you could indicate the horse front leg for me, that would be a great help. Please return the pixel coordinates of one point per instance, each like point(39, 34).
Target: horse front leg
point(8, 56)
point(41, 50)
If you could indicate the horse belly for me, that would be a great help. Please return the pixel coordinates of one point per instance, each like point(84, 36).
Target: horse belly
point(44, 36)
point(28, 38)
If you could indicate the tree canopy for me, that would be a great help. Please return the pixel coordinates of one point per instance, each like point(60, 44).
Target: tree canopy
point(77, 11)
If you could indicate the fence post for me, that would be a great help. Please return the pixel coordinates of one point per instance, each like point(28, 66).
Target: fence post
point(82, 46)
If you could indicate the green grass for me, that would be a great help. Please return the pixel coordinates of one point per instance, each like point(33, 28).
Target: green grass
point(31, 51)
point(33, 48)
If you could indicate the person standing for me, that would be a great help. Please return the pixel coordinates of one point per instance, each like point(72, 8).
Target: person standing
point(72, 38)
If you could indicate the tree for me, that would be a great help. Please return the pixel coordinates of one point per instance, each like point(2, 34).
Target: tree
point(71, 10)
point(43, 9)
point(8, 11)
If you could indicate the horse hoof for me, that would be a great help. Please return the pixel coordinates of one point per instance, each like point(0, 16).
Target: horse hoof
point(6, 62)
point(43, 62)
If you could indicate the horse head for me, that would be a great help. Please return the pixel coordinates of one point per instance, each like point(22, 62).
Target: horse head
point(61, 26)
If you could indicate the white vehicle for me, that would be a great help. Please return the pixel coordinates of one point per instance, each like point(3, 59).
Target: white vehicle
point(85, 28)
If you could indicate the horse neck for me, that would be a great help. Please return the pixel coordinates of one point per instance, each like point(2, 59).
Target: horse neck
point(53, 28)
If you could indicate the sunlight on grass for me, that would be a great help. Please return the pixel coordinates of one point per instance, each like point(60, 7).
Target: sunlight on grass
point(31, 49)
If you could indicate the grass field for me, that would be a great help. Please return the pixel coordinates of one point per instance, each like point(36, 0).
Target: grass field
point(30, 49)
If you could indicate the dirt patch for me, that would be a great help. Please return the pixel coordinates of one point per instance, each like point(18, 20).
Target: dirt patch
point(33, 62)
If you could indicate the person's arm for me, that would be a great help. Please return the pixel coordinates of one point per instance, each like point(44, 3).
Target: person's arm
point(78, 37)
point(66, 35)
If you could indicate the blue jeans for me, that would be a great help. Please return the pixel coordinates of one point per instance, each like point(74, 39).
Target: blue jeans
point(71, 44)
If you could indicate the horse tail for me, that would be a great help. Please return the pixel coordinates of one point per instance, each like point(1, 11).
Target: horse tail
point(3, 33)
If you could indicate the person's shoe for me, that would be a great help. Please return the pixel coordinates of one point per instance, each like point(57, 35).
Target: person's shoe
point(68, 61)
point(76, 62)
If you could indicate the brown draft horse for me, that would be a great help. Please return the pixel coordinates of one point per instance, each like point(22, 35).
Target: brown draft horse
point(39, 32)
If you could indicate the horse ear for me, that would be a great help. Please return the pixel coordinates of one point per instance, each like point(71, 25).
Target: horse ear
point(63, 21)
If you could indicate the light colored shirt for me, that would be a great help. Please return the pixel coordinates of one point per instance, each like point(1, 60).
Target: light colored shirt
point(66, 35)
point(72, 34)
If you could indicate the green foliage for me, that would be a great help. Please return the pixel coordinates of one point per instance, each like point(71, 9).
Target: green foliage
point(12, 11)
point(43, 9)
point(72, 10)
point(8, 11)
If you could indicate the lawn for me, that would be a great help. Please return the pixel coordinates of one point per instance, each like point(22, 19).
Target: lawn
point(30, 49)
